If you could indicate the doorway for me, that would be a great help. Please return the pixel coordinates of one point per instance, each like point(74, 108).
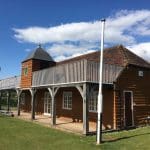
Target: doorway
point(128, 104)
point(47, 104)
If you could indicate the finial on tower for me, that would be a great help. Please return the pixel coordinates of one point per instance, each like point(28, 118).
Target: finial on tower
point(39, 45)
point(103, 20)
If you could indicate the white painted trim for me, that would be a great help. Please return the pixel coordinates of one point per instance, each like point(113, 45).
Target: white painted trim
point(94, 96)
point(46, 85)
point(25, 89)
point(58, 84)
point(63, 100)
point(50, 92)
point(45, 113)
point(80, 90)
point(132, 108)
point(92, 111)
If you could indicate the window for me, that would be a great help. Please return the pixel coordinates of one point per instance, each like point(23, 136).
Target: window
point(93, 101)
point(47, 103)
point(140, 73)
point(67, 100)
point(25, 71)
point(22, 98)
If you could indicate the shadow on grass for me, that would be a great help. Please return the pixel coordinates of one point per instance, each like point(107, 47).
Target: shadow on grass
point(125, 137)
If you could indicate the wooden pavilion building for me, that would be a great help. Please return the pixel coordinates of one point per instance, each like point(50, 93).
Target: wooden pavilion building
point(70, 88)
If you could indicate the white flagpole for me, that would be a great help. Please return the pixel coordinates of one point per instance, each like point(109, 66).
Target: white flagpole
point(100, 96)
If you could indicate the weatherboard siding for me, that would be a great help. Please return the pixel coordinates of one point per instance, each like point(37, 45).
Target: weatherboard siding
point(32, 65)
point(130, 81)
point(76, 113)
point(26, 80)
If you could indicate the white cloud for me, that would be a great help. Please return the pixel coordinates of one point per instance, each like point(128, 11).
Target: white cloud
point(72, 32)
point(62, 57)
point(122, 28)
point(142, 50)
point(65, 51)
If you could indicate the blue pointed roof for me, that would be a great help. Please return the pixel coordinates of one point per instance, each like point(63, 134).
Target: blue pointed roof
point(39, 54)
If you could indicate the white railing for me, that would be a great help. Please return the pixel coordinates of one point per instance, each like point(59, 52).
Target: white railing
point(66, 73)
point(73, 72)
point(110, 72)
point(10, 83)
point(79, 71)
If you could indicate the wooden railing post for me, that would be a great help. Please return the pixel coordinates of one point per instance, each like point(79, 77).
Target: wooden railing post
point(53, 92)
point(53, 111)
point(85, 70)
point(18, 105)
point(85, 109)
point(84, 91)
point(32, 103)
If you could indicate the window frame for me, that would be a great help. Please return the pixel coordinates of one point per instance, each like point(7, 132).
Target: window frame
point(25, 71)
point(47, 103)
point(66, 106)
point(93, 101)
point(140, 73)
point(23, 98)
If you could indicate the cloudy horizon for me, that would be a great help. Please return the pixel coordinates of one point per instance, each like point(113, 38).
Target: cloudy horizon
point(125, 27)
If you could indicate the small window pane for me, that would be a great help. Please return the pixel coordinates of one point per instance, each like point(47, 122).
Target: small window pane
point(22, 99)
point(67, 100)
point(140, 73)
point(25, 70)
point(93, 101)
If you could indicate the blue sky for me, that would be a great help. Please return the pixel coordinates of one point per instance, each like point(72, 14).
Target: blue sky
point(68, 28)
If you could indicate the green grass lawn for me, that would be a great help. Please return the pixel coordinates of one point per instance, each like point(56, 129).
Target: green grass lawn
point(17, 134)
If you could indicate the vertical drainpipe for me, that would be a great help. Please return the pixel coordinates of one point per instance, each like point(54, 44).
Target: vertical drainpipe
point(19, 99)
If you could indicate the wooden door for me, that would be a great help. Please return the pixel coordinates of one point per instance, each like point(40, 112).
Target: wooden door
point(128, 108)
